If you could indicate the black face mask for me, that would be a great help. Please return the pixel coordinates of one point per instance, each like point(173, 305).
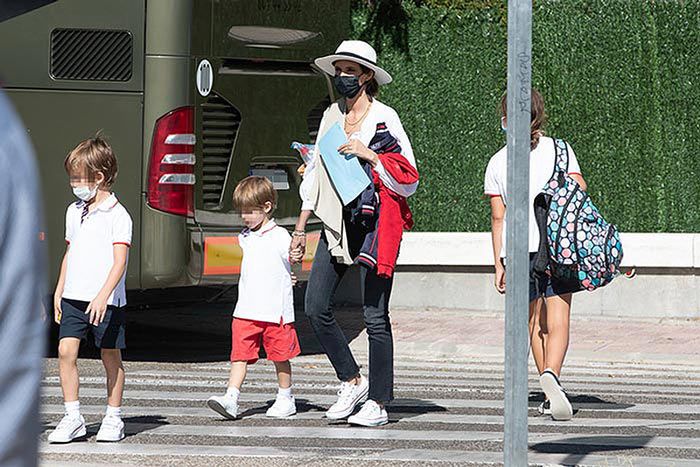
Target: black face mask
point(347, 86)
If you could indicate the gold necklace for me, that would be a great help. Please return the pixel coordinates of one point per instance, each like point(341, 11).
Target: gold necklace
point(352, 124)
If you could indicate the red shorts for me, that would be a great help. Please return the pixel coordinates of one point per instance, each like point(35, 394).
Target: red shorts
point(280, 340)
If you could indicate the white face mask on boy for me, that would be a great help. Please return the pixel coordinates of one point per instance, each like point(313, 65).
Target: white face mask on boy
point(84, 193)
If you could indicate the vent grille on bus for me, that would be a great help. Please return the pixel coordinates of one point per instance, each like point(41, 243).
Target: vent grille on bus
point(313, 120)
point(91, 54)
point(220, 123)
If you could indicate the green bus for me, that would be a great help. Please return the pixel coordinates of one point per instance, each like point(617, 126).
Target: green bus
point(193, 95)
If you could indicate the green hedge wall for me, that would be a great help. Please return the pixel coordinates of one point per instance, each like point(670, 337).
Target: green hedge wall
point(621, 80)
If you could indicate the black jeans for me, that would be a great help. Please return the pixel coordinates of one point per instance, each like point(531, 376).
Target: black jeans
point(325, 276)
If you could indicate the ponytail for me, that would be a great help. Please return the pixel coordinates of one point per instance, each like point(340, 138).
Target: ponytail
point(538, 117)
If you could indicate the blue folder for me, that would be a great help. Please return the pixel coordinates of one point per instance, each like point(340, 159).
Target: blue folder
point(347, 175)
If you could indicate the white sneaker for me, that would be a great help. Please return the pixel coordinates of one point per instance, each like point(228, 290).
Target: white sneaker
point(69, 428)
point(371, 414)
point(283, 407)
point(545, 408)
point(227, 407)
point(559, 403)
point(111, 430)
point(349, 395)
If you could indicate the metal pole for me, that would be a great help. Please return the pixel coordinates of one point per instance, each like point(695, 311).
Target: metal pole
point(517, 267)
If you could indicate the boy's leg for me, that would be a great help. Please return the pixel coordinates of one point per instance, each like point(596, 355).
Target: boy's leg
point(72, 425)
point(239, 370)
point(112, 428)
point(68, 348)
point(284, 405)
point(538, 333)
point(227, 405)
point(112, 361)
point(284, 374)
point(557, 312)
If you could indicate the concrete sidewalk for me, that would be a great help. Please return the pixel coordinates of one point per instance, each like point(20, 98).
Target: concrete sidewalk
point(468, 335)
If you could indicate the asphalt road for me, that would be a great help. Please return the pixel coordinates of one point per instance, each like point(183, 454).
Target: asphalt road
point(448, 411)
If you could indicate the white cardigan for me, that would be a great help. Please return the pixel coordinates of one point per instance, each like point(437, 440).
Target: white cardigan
point(378, 113)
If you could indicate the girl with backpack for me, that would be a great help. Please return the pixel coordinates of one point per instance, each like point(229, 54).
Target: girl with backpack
point(550, 298)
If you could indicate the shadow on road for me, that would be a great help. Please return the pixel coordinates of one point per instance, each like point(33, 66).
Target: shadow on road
point(578, 448)
point(185, 325)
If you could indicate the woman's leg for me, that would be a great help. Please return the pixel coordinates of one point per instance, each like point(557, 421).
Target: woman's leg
point(323, 281)
point(557, 313)
point(377, 292)
point(538, 332)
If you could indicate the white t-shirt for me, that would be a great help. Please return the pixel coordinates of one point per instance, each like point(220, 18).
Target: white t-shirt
point(265, 286)
point(378, 113)
point(91, 252)
point(541, 169)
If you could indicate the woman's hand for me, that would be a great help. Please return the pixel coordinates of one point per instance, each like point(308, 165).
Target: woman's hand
point(500, 279)
point(355, 146)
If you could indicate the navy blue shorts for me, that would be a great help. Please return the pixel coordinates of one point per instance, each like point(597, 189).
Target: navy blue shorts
point(549, 286)
point(109, 334)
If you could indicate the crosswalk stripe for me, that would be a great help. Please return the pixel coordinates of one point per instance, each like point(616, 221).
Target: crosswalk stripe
point(689, 372)
point(326, 400)
point(461, 421)
point(421, 361)
point(203, 412)
point(407, 376)
point(466, 386)
point(396, 455)
point(351, 433)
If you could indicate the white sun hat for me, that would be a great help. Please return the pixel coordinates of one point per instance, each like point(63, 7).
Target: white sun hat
point(355, 51)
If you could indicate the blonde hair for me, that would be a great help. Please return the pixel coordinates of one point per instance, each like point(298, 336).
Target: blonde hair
point(538, 117)
point(253, 192)
point(90, 157)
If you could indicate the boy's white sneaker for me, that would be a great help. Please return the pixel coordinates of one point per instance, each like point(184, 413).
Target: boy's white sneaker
point(227, 407)
point(558, 402)
point(283, 407)
point(111, 430)
point(371, 414)
point(69, 428)
point(349, 395)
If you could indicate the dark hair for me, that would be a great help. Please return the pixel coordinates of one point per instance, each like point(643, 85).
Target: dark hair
point(371, 86)
point(538, 117)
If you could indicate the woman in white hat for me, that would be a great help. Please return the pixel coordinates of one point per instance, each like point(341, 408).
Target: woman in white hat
point(368, 123)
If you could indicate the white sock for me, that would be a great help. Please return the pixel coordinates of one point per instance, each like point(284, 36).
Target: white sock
point(233, 391)
point(286, 392)
point(72, 408)
point(113, 411)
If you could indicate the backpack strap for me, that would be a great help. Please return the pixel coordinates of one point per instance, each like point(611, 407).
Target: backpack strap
point(561, 156)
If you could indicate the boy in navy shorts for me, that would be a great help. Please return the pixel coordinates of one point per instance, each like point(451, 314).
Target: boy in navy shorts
point(90, 292)
point(264, 312)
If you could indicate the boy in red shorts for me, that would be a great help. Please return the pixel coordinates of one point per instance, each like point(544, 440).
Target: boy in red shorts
point(264, 313)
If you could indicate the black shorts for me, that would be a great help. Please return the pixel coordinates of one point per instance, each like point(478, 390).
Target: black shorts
point(548, 286)
point(109, 334)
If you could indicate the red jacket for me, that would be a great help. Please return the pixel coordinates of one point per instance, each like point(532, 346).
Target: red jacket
point(394, 214)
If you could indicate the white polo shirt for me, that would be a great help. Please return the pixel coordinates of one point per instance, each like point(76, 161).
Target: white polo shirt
point(265, 285)
point(91, 252)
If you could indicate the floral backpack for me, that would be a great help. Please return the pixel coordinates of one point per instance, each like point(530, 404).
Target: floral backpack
point(576, 243)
